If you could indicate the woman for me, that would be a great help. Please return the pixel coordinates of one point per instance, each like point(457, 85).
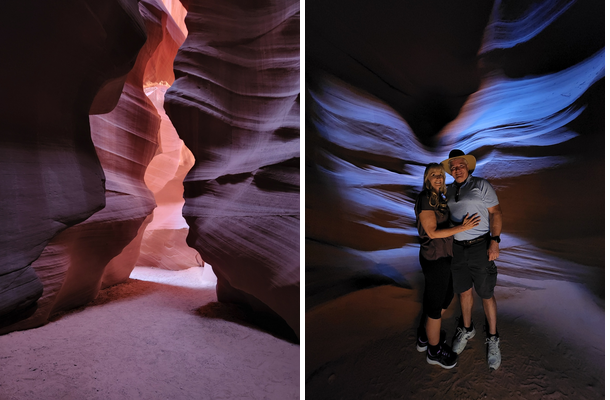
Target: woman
point(436, 241)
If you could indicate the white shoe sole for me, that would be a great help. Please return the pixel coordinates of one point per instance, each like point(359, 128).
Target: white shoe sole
point(495, 365)
point(494, 368)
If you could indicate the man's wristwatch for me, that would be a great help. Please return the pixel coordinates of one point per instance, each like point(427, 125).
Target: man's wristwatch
point(496, 238)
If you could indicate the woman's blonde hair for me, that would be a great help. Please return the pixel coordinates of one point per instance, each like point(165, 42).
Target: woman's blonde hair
point(435, 201)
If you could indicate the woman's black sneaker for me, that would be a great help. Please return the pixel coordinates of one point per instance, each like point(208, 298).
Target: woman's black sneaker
point(422, 341)
point(445, 357)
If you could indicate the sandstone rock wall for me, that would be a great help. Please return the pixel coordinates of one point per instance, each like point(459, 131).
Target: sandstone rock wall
point(104, 50)
point(65, 60)
point(235, 103)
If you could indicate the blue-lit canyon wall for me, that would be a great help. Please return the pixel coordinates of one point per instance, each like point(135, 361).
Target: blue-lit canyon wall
point(520, 85)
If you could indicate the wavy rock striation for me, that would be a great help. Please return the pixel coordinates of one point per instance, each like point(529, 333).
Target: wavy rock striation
point(51, 176)
point(101, 250)
point(532, 117)
point(235, 105)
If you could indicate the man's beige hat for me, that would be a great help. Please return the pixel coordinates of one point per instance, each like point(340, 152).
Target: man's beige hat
point(470, 160)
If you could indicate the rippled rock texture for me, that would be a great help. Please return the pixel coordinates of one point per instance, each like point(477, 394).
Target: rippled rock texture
point(235, 103)
point(81, 58)
point(519, 87)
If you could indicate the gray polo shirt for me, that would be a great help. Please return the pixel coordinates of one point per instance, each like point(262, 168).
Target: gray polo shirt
point(476, 195)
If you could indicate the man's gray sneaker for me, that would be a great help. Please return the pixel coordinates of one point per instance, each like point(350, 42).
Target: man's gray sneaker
point(493, 352)
point(461, 338)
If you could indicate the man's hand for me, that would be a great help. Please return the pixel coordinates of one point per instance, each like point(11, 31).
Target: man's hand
point(493, 251)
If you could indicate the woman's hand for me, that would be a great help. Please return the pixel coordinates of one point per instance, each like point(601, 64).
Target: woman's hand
point(471, 222)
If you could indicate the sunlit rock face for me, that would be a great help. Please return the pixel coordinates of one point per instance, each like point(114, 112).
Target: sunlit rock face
point(64, 60)
point(178, 13)
point(103, 249)
point(171, 36)
point(525, 94)
point(164, 242)
point(235, 105)
point(153, 63)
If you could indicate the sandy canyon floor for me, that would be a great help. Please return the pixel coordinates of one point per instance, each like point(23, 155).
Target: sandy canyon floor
point(161, 335)
point(362, 346)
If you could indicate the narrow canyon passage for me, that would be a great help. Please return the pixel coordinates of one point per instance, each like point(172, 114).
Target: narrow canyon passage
point(106, 290)
point(93, 185)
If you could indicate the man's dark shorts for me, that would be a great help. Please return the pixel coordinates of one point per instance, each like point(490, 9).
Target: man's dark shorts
point(470, 265)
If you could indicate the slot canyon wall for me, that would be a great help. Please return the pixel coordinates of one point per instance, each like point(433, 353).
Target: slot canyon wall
point(235, 103)
point(520, 85)
point(92, 168)
point(67, 61)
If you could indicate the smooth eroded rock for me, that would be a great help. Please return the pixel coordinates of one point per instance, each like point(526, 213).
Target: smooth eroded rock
point(235, 105)
point(102, 250)
point(65, 60)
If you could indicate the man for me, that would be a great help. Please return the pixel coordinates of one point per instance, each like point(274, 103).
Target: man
point(475, 250)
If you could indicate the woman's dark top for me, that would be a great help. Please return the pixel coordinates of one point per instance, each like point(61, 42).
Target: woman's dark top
point(432, 249)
